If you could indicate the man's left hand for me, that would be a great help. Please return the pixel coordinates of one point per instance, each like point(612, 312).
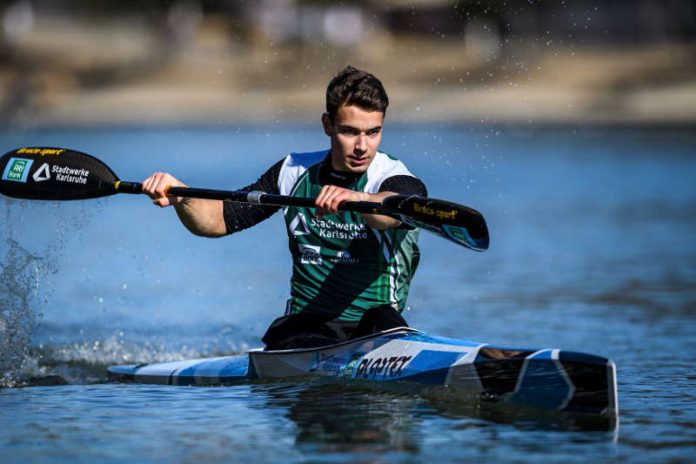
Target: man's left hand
point(331, 197)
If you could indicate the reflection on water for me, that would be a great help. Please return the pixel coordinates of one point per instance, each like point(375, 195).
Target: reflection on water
point(295, 422)
point(337, 417)
point(341, 412)
point(522, 417)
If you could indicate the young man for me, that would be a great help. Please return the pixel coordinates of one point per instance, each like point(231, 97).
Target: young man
point(351, 271)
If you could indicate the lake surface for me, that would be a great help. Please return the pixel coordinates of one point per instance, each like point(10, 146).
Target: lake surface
point(592, 249)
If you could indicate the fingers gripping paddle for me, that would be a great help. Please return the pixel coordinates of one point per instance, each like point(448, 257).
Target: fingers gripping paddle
point(43, 173)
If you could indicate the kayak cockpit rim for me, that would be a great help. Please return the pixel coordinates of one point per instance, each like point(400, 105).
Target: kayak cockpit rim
point(393, 331)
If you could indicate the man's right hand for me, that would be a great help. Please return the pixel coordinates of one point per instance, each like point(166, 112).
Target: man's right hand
point(157, 185)
point(202, 217)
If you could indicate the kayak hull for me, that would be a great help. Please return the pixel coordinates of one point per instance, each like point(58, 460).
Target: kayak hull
point(547, 378)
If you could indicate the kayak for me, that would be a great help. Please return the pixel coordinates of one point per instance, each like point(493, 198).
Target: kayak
point(549, 379)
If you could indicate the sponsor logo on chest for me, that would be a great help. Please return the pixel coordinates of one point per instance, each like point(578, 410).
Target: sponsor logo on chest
point(327, 229)
point(310, 254)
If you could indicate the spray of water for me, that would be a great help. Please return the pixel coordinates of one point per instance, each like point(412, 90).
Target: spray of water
point(19, 282)
point(23, 273)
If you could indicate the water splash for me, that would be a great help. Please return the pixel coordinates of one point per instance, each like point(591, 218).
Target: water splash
point(25, 283)
point(85, 361)
point(19, 283)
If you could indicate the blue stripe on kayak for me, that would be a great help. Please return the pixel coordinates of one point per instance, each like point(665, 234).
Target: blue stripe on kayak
point(237, 367)
point(544, 354)
point(226, 367)
point(431, 366)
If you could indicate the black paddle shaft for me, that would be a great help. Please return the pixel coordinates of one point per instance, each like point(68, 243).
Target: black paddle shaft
point(263, 198)
point(254, 197)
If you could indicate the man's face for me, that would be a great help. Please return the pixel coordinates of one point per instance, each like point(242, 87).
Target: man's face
point(355, 136)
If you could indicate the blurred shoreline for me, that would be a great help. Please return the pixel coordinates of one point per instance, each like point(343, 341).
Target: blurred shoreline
point(208, 80)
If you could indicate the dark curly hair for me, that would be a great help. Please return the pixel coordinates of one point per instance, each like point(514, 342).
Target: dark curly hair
point(351, 86)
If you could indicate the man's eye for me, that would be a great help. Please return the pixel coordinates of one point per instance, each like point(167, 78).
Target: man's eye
point(351, 132)
point(373, 132)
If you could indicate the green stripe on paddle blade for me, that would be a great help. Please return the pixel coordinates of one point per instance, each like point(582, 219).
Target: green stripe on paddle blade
point(47, 173)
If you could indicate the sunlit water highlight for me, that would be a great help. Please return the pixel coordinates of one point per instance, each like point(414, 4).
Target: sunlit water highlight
point(592, 250)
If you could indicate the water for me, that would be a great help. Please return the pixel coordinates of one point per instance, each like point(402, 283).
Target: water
point(592, 250)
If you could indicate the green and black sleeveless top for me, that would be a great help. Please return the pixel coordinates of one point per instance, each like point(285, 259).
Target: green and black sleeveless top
point(341, 267)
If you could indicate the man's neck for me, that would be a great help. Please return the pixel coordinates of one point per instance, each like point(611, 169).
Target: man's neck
point(330, 176)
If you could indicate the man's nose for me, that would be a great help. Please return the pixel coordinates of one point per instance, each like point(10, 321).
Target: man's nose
point(361, 144)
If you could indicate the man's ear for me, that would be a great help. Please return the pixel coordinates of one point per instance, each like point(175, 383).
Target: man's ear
point(328, 125)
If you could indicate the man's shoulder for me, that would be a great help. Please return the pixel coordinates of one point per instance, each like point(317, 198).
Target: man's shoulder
point(383, 167)
point(305, 159)
point(295, 165)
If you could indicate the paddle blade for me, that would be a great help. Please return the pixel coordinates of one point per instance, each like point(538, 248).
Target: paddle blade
point(452, 221)
point(43, 173)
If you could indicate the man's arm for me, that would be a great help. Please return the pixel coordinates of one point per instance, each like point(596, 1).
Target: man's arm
point(240, 216)
point(214, 218)
point(201, 217)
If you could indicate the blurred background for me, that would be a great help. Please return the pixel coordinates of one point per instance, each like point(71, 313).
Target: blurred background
point(105, 62)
